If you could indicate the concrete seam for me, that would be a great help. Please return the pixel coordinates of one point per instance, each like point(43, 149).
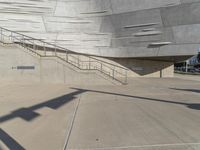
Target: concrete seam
point(140, 146)
point(44, 23)
point(71, 125)
point(54, 12)
point(158, 121)
point(111, 7)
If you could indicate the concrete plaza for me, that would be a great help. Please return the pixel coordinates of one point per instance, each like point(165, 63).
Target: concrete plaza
point(147, 114)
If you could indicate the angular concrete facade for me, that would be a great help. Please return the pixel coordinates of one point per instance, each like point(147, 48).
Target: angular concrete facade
point(146, 31)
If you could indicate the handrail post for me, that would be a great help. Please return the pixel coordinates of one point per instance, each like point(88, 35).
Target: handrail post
point(44, 49)
point(23, 41)
point(101, 67)
point(78, 62)
point(113, 73)
point(126, 77)
point(1, 34)
point(55, 48)
point(11, 37)
point(55, 51)
point(34, 48)
point(89, 63)
point(66, 56)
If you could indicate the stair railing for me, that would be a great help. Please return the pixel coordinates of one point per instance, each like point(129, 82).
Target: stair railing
point(81, 61)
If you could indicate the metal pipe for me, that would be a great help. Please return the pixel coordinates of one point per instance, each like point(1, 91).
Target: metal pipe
point(55, 51)
point(23, 41)
point(89, 64)
point(113, 74)
point(11, 37)
point(1, 34)
point(66, 56)
point(109, 66)
point(44, 49)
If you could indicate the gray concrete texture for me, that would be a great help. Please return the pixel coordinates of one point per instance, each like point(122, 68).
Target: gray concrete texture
point(147, 114)
point(45, 70)
point(54, 70)
point(99, 27)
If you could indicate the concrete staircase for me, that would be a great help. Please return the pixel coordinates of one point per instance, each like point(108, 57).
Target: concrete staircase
point(79, 62)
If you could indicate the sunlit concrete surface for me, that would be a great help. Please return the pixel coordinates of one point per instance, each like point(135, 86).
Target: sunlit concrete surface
point(35, 116)
point(147, 114)
point(188, 77)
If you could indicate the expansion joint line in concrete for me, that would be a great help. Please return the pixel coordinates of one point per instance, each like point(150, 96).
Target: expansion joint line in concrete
point(111, 7)
point(71, 125)
point(139, 146)
point(54, 11)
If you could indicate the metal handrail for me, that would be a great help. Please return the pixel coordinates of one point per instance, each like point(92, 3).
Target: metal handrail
point(92, 63)
point(59, 47)
point(35, 39)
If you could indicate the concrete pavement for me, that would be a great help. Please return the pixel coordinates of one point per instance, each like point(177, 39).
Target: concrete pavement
point(188, 77)
point(147, 114)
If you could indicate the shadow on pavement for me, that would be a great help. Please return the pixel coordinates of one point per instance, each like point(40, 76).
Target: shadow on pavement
point(195, 106)
point(28, 113)
point(9, 141)
point(187, 90)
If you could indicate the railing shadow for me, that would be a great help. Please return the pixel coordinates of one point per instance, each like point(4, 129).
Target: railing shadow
point(29, 114)
point(195, 106)
point(187, 90)
point(11, 143)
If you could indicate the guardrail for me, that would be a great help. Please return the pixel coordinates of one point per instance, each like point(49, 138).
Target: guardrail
point(80, 61)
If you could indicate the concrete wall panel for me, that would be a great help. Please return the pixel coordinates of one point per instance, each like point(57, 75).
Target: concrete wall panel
point(51, 70)
point(46, 70)
point(120, 6)
point(120, 21)
point(106, 27)
point(187, 33)
point(181, 15)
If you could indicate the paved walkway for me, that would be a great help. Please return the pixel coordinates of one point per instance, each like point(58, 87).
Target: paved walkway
point(147, 114)
point(188, 77)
